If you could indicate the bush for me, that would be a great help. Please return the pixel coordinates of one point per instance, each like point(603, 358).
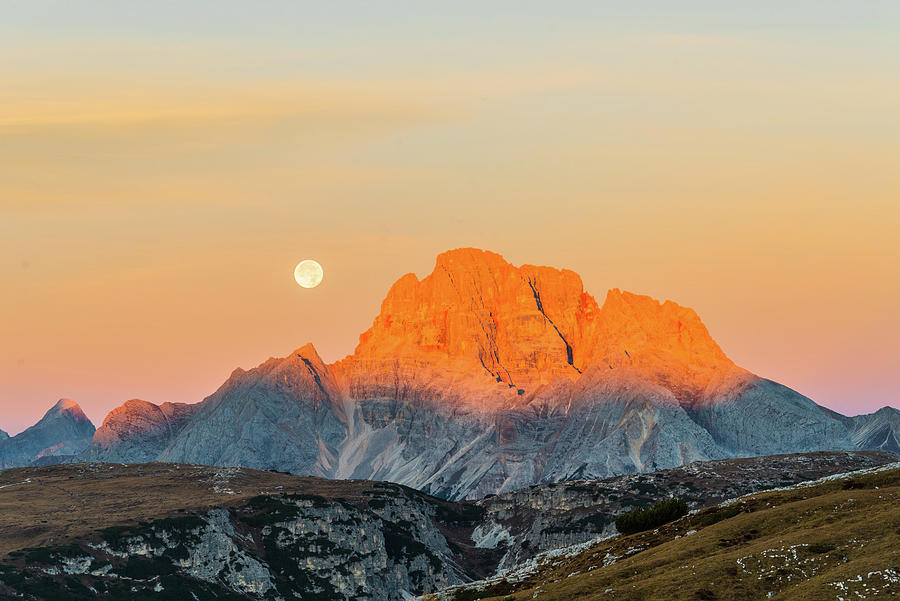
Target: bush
point(651, 517)
point(819, 548)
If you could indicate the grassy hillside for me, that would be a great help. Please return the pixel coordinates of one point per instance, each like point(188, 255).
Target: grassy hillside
point(53, 504)
point(835, 540)
point(172, 532)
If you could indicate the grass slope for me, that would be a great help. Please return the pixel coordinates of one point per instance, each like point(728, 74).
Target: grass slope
point(55, 505)
point(835, 540)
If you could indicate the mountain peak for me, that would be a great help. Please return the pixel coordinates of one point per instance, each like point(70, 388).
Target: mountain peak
point(65, 404)
point(308, 351)
point(129, 407)
point(522, 327)
point(66, 408)
point(469, 256)
point(664, 341)
point(478, 309)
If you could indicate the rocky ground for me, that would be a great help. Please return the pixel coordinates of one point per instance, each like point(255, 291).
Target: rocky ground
point(174, 531)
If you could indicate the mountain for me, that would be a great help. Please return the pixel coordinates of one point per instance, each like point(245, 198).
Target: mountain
point(137, 429)
point(879, 430)
point(830, 539)
point(170, 531)
point(484, 377)
point(3, 435)
point(64, 431)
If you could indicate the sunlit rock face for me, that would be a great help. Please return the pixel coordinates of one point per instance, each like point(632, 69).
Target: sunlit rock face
point(138, 430)
point(484, 377)
point(482, 333)
point(477, 315)
point(63, 432)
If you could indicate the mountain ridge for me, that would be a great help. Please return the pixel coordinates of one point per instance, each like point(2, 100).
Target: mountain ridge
point(484, 377)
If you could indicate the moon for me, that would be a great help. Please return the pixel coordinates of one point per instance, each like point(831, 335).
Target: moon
point(308, 273)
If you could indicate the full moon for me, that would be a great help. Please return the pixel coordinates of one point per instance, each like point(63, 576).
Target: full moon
point(308, 273)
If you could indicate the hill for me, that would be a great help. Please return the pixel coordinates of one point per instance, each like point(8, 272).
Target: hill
point(162, 531)
point(834, 539)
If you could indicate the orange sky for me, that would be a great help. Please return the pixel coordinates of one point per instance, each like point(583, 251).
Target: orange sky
point(160, 178)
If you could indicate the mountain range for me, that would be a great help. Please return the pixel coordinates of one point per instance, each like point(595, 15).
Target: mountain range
point(480, 378)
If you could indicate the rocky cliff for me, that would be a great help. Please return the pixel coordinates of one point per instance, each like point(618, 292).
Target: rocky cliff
point(63, 432)
point(484, 377)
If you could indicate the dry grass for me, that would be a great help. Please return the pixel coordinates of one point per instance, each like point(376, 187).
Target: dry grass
point(830, 541)
point(55, 504)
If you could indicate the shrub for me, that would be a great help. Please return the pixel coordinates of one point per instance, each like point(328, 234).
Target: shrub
point(651, 517)
point(818, 548)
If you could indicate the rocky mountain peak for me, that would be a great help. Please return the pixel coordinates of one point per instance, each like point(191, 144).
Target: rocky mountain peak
point(137, 425)
point(523, 327)
point(66, 408)
point(663, 342)
point(513, 326)
point(63, 430)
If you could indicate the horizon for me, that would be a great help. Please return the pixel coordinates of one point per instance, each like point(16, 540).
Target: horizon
point(164, 168)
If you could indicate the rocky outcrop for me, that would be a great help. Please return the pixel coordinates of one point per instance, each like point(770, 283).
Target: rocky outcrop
point(64, 431)
point(484, 377)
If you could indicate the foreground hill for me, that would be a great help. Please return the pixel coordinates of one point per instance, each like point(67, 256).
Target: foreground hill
point(165, 531)
point(831, 540)
point(484, 377)
point(526, 522)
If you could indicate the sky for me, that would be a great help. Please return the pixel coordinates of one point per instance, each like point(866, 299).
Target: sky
point(165, 165)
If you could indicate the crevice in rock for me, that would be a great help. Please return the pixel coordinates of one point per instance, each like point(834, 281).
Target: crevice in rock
point(487, 369)
point(315, 375)
point(570, 359)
